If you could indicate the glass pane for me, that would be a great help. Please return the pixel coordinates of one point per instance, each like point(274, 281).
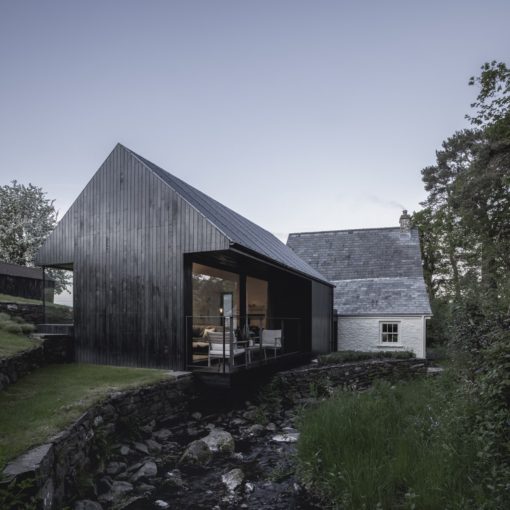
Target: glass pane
point(256, 304)
point(215, 293)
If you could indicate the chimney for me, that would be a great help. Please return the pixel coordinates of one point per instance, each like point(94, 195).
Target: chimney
point(405, 224)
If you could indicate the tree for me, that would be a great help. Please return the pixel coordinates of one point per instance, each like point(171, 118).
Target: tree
point(27, 217)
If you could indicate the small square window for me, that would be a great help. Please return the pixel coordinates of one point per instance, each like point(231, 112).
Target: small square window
point(389, 332)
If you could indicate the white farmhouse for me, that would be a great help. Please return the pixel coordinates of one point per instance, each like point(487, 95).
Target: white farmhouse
point(380, 297)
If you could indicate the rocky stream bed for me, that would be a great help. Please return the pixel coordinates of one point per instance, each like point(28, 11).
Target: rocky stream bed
point(232, 458)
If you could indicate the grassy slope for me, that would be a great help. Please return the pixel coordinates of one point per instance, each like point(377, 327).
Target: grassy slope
point(44, 402)
point(11, 344)
point(6, 298)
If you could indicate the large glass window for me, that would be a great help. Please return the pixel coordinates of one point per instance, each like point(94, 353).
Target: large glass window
point(215, 292)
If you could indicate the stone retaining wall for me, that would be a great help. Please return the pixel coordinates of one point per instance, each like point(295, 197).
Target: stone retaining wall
point(53, 349)
point(311, 382)
point(53, 469)
point(28, 312)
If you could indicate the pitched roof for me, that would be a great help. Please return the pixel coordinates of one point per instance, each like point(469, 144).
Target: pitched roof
point(375, 270)
point(236, 228)
point(381, 296)
point(18, 271)
point(365, 253)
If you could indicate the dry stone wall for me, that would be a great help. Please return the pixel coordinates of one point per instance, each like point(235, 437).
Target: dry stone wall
point(302, 384)
point(53, 469)
point(53, 349)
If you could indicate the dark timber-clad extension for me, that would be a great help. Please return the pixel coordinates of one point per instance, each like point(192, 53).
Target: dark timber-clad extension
point(142, 243)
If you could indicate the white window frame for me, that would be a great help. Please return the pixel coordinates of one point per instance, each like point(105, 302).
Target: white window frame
point(398, 343)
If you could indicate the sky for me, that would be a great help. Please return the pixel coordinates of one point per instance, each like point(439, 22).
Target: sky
point(300, 115)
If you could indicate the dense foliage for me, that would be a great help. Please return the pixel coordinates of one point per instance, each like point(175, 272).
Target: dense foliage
point(27, 218)
point(405, 447)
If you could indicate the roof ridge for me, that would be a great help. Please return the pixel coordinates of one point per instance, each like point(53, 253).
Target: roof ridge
point(346, 230)
point(379, 278)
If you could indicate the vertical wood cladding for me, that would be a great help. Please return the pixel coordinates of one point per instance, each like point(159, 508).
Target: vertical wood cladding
point(126, 236)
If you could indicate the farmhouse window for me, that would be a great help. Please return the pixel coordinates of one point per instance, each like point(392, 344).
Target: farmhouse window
point(389, 332)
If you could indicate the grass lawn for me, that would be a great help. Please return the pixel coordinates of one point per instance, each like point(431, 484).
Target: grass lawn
point(6, 298)
point(11, 344)
point(42, 403)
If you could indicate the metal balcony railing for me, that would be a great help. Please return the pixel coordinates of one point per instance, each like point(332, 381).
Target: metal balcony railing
point(228, 343)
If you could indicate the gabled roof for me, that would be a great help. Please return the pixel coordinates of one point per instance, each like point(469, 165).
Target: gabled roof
point(375, 270)
point(382, 296)
point(239, 230)
point(15, 270)
point(364, 253)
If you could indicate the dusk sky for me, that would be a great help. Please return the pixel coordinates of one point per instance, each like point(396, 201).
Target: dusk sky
point(300, 115)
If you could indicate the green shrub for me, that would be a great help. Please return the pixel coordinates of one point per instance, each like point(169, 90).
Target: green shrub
point(15, 325)
point(351, 356)
point(405, 446)
point(12, 327)
point(27, 328)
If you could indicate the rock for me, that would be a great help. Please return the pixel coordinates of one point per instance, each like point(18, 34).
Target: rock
point(162, 434)
point(233, 479)
point(236, 422)
point(148, 470)
point(87, 504)
point(271, 427)
point(145, 488)
point(291, 437)
point(121, 487)
point(114, 468)
point(173, 480)
point(104, 485)
point(197, 453)
point(125, 450)
point(256, 430)
point(134, 467)
point(251, 415)
point(210, 426)
point(220, 441)
point(159, 503)
point(141, 447)
point(197, 416)
point(118, 490)
point(249, 487)
point(146, 430)
point(192, 431)
point(153, 446)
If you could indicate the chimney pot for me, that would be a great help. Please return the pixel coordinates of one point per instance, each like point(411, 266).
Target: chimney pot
point(405, 223)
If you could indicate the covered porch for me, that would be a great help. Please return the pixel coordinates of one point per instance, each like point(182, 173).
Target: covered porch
point(244, 313)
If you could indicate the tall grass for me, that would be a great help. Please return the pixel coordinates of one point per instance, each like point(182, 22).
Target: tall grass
point(391, 447)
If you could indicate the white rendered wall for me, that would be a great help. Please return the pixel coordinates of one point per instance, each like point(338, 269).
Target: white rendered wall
point(363, 334)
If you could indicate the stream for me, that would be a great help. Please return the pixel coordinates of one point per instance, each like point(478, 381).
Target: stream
point(227, 454)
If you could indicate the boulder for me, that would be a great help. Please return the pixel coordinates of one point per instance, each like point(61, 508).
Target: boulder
point(219, 441)
point(162, 434)
point(233, 479)
point(197, 453)
point(147, 470)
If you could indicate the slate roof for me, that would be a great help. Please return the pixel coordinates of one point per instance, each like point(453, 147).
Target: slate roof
point(236, 228)
point(15, 270)
point(381, 296)
point(376, 271)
